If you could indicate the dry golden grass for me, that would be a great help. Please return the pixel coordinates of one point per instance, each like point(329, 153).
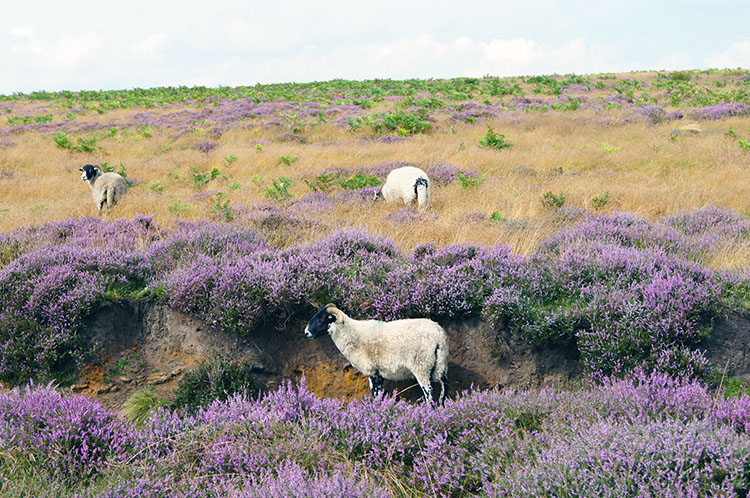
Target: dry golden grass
point(643, 167)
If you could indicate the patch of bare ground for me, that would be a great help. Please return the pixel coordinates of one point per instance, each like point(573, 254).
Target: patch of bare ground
point(143, 344)
point(728, 348)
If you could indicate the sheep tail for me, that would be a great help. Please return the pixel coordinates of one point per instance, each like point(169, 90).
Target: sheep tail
point(422, 191)
point(111, 199)
point(440, 364)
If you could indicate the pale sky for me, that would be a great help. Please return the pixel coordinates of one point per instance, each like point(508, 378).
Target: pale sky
point(86, 45)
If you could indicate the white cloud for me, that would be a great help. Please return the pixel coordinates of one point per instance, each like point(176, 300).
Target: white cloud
point(425, 57)
point(737, 55)
point(29, 41)
point(150, 46)
point(680, 60)
point(66, 54)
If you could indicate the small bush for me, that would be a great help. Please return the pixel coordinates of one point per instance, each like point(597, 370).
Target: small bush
point(279, 190)
point(468, 181)
point(493, 141)
point(498, 216)
point(322, 183)
point(600, 200)
point(288, 160)
point(550, 200)
point(200, 179)
point(217, 379)
point(358, 181)
point(62, 140)
point(223, 207)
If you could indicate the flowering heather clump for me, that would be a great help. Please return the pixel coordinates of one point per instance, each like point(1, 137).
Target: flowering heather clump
point(446, 173)
point(648, 434)
point(470, 112)
point(206, 146)
point(720, 111)
point(710, 221)
point(71, 437)
point(121, 234)
point(622, 229)
point(389, 139)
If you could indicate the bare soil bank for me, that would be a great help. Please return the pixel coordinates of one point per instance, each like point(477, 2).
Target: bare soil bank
point(141, 343)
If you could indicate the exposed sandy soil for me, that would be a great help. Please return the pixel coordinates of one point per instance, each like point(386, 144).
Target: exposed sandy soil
point(729, 346)
point(142, 344)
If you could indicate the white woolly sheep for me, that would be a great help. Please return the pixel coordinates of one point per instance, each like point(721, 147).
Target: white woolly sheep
point(407, 183)
point(396, 350)
point(107, 188)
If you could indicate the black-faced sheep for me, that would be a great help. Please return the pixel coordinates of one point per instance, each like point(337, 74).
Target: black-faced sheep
point(406, 184)
point(107, 188)
point(402, 349)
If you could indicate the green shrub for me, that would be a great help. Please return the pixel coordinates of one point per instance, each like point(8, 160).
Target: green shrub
point(230, 159)
point(493, 141)
point(223, 207)
point(288, 160)
point(467, 181)
point(322, 183)
point(200, 179)
point(550, 200)
point(62, 140)
point(217, 379)
point(600, 200)
point(359, 181)
point(498, 216)
point(279, 190)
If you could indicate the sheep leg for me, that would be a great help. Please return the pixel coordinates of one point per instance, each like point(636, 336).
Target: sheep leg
point(424, 383)
point(376, 384)
point(427, 391)
point(443, 382)
point(111, 199)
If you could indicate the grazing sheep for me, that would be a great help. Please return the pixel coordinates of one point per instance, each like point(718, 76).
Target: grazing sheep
point(107, 188)
point(396, 350)
point(407, 183)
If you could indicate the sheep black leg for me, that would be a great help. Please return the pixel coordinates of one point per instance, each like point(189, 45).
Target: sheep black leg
point(443, 383)
point(427, 391)
point(376, 384)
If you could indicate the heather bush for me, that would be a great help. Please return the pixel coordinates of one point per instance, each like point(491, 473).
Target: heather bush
point(647, 434)
point(71, 437)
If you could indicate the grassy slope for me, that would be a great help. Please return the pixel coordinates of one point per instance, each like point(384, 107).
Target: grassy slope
point(643, 168)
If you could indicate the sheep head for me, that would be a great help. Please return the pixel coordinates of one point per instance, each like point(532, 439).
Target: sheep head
point(89, 172)
point(322, 321)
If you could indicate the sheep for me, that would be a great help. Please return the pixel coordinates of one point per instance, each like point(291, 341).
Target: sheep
point(407, 183)
point(107, 188)
point(396, 350)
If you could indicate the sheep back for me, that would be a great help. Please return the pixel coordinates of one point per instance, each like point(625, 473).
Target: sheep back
point(402, 349)
point(400, 185)
point(108, 189)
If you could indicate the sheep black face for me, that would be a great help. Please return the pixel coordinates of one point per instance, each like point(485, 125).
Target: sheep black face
point(320, 323)
point(88, 172)
point(378, 195)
